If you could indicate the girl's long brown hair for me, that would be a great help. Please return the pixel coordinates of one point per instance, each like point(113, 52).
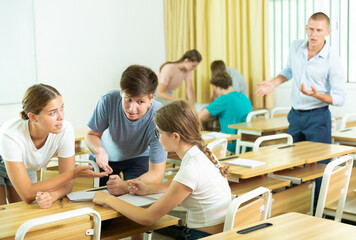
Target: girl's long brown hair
point(192, 55)
point(181, 117)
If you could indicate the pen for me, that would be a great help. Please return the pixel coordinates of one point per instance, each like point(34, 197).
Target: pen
point(61, 201)
point(227, 158)
point(286, 146)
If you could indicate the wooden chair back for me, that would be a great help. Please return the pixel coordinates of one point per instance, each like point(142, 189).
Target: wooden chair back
point(335, 185)
point(257, 208)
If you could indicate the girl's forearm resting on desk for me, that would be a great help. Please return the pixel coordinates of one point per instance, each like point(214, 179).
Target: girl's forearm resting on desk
point(28, 190)
point(175, 194)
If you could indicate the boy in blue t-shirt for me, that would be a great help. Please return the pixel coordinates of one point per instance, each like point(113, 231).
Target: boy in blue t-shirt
point(229, 107)
point(122, 132)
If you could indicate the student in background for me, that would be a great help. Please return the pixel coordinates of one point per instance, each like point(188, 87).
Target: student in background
point(200, 184)
point(318, 81)
point(171, 75)
point(229, 107)
point(121, 135)
point(27, 145)
point(238, 81)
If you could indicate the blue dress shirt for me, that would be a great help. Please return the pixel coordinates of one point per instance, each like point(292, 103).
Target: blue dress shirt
point(324, 71)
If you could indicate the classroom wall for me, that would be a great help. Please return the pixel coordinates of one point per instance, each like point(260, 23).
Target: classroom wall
point(83, 46)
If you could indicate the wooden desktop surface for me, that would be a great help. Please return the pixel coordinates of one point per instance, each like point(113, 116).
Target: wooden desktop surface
point(278, 159)
point(263, 125)
point(348, 134)
point(293, 226)
point(12, 216)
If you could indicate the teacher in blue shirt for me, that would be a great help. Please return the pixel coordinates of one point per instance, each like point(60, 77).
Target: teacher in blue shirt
point(319, 81)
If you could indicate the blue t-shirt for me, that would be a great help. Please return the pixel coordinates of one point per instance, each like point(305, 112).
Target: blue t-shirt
point(124, 139)
point(230, 108)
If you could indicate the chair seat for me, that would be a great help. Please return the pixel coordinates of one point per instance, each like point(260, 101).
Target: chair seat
point(261, 181)
point(301, 174)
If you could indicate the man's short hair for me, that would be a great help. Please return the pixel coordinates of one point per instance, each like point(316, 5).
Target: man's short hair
point(217, 66)
point(138, 80)
point(221, 79)
point(320, 16)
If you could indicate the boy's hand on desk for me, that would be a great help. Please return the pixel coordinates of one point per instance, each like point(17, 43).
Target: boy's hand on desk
point(102, 159)
point(116, 186)
point(44, 199)
point(136, 186)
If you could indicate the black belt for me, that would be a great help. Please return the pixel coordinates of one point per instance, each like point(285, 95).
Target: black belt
point(310, 110)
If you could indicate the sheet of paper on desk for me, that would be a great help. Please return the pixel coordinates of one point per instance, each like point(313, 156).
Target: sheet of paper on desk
point(140, 200)
point(82, 196)
point(212, 135)
point(133, 199)
point(242, 162)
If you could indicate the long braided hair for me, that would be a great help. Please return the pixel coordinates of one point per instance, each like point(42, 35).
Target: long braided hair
point(180, 117)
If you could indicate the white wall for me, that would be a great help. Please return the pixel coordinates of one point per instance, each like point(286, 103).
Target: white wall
point(83, 46)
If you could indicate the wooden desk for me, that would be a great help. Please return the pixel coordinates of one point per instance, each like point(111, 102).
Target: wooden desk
point(250, 131)
point(259, 126)
point(12, 216)
point(346, 136)
point(294, 226)
point(278, 159)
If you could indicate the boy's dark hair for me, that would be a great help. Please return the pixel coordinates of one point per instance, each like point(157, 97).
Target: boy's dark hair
point(217, 66)
point(138, 80)
point(221, 79)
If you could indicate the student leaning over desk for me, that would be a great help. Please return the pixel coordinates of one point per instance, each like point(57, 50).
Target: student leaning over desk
point(200, 184)
point(172, 74)
point(27, 144)
point(121, 136)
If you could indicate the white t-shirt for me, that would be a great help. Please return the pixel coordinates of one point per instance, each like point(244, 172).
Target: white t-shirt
point(207, 204)
point(16, 144)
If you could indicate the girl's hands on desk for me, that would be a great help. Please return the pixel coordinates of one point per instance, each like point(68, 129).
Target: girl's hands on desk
point(85, 171)
point(102, 159)
point(100, 197)
point(136, 186)
point(44, 199)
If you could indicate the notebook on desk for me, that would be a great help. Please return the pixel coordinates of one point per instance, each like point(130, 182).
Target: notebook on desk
point(133, 199)
point(242, 162)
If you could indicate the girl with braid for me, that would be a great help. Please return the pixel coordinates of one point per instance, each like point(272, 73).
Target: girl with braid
point(200, 184)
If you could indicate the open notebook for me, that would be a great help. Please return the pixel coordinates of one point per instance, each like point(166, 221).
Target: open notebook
point(242, 162)
point(133, 199)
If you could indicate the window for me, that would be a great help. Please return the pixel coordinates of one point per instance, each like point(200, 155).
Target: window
point(287, 21)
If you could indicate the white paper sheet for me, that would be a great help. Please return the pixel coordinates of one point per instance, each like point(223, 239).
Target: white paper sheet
point(242, 162)
point(133, 199)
